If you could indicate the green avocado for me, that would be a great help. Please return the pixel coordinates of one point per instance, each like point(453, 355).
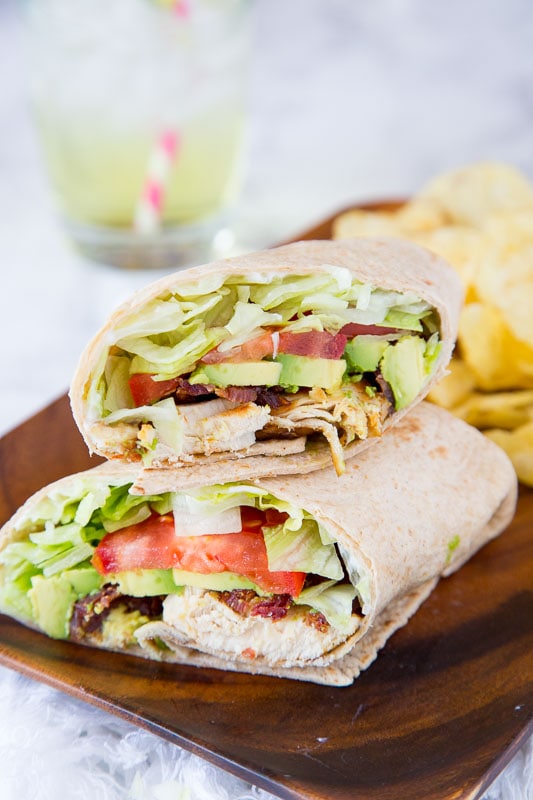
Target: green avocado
point(403, 367)
point(83, 580)
point(364, 353)
point(216, 581)
point(145, 582)
point(303, 371)
point(245, 373)
point(52, 600)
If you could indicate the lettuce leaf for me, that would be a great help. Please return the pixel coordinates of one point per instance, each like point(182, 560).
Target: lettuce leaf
point(163, 415)
point(333, 600)
point(301, 551)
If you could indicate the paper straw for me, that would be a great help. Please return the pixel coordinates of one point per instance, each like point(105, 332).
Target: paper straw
point(151, 203)
point(182, 8)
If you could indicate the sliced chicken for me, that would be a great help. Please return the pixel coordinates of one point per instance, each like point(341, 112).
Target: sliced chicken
point(339, 416)
point(197, 619)
point(223, 426)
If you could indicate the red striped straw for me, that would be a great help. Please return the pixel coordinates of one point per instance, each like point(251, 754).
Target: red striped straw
point(151, 203)
point(150, 207)
point(182, 8)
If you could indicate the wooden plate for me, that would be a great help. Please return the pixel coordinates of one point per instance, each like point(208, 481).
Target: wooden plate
point(438, 715)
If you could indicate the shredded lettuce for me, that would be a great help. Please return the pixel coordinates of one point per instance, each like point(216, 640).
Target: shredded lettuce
point(164, 360)
point(333, 600)
point(301, 551)
point(248, 319)
point(89, 503)
point(284, 294)
point(67, 559)
point(405, 321)
point(133, 517)
point(358, 575)
point(163, 415)
point(193, 518)
point(117, 373)
point(431, 353)
point(158, 316)
point(120, 504)
point(70, 533)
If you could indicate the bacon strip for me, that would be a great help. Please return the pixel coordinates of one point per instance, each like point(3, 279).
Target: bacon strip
point(248, 604)
point(89, 612)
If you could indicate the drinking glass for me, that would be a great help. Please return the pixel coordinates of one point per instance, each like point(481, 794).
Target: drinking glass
point(141, 109)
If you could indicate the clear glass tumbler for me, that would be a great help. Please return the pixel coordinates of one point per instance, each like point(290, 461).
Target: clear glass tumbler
point(141, 108)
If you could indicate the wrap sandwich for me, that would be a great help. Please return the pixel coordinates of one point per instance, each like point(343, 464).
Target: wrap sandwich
point(286, 359)
point(303, 577)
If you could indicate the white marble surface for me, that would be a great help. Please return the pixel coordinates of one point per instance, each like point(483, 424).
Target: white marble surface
point(350, 101)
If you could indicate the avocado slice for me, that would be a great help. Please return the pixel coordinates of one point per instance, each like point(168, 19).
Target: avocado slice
point(403, 367)
point(83, 580)
point(216, 581)
point(245, 373)
point(303, 371)
point(145, 582)
point(364, 353)
point(52, 600)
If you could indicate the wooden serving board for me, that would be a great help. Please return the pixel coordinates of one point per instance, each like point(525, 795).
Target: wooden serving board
point(437, 716)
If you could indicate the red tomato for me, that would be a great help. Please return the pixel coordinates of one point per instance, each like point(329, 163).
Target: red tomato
point(153, 544)
point(313, 344)
point(145, 390)
point(254, 350)
point(356, 329)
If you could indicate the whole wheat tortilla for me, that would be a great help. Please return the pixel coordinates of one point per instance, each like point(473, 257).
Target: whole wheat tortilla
point(390, 264)
point(411, 509)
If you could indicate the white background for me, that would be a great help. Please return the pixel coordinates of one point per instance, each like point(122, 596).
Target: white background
point(350, 100)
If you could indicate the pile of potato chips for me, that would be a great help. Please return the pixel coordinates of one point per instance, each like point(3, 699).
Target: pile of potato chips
point(480, 219)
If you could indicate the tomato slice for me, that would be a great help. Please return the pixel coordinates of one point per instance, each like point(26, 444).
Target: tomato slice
point(313, 344)
point(145, 390)
point(352, 329)
point(153, 544)
point(254, 350)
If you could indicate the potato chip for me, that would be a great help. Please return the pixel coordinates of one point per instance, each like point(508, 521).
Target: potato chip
point(418, 216)
point(455, 387)
point(366, 223)
point(410, 218)
point(471, 194)
point(506, 410)
point(518, 445)
point(506, 281)
point(497, 359)
point(464, 248)
point(509, 230)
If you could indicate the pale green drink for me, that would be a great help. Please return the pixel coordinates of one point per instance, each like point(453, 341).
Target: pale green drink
point(99, 177)
point(112, 80)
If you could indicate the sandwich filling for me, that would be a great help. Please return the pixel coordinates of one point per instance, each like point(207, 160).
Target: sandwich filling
point(228, 570)
point(229, 365)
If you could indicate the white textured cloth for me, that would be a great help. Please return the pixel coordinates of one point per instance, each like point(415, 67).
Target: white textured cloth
point(58, 747)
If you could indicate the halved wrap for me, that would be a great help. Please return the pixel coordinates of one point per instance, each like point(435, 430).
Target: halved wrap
point(286, 359)
point(302, 577)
